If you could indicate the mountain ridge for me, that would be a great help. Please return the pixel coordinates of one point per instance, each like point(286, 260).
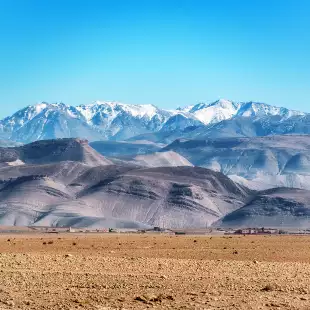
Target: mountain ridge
point(117, 121)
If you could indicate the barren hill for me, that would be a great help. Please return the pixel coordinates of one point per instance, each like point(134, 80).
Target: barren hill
point(86, 192)
point(52, 151)
point(281, 207)
point(258, 162)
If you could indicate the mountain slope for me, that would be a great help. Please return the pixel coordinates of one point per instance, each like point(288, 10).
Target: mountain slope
point(215, 112)
point(222, 109)
point(47, 121)
point(257, 126)
point(160, 159)
point(167, 197)
point(120, 149)
point(278, 208)
point(236, 127)
point(260, 162)
point(120, 121)
point(170, 197)
point(51, 151)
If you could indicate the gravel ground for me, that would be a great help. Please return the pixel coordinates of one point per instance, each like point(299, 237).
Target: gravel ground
point(68, 271)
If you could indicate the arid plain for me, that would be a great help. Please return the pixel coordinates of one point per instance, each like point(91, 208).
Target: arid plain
point(122, 271)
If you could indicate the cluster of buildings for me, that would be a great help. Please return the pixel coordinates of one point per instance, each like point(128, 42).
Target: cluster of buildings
point(257, 231)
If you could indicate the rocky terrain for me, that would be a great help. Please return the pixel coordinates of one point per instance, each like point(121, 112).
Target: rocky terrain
point(67, 183)
point(278, 207)
point(53, 151)
point(74, 194)
point(239, 126)
point(161, 272)
point(258, 162)
point(125, 148)
point(157, 159)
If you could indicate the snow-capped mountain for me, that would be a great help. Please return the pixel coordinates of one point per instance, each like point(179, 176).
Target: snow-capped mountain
point(224, 109)
point(256, 109)
point(118, 121)
point(46, 121)
point(214, 112)
point(102, 109)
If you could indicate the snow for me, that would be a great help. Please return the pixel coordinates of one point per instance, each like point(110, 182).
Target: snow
point(249, 109)
point(223, 109)
point(112, 109)
point(71, 114)
point(214, 112)
point(206, 113)
point(40, 107)
point(139, 111)
point(186, 109)
point(17, 162)
point(86, 112)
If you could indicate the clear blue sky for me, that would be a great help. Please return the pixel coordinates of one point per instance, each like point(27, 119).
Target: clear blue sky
point(165, 52)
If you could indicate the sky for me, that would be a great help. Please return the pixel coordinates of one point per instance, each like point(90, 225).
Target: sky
point(169, 53)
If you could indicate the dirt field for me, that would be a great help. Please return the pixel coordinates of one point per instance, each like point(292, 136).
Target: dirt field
point(104, 272)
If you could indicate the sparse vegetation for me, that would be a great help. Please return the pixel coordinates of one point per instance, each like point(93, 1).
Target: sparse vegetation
point(268, 288)
point(159, 271)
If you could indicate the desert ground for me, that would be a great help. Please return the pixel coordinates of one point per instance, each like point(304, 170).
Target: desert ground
point(123, 271)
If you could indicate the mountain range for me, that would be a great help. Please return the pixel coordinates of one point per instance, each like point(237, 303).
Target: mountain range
point(66, 183)
point(117, 121)
point(110, 164)
point(256, 162)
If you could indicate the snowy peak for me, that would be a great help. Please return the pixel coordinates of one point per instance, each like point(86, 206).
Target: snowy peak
point(22, 117)
point(220, 104)
point(223, 109)
point(121, 121)
point(252, 109)
point(114, 108)
point(214, 112)
point(45, 121)
point(186, 109)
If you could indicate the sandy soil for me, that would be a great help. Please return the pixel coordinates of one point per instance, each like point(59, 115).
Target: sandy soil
point(154, 272)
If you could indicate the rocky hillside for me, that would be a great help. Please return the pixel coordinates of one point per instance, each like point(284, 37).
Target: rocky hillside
point(74, 194)
point(121, 148)
point(50, 151)
point(259, 162)
point(279, 208)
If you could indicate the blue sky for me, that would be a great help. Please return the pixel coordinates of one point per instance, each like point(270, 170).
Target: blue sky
point(164, 52)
